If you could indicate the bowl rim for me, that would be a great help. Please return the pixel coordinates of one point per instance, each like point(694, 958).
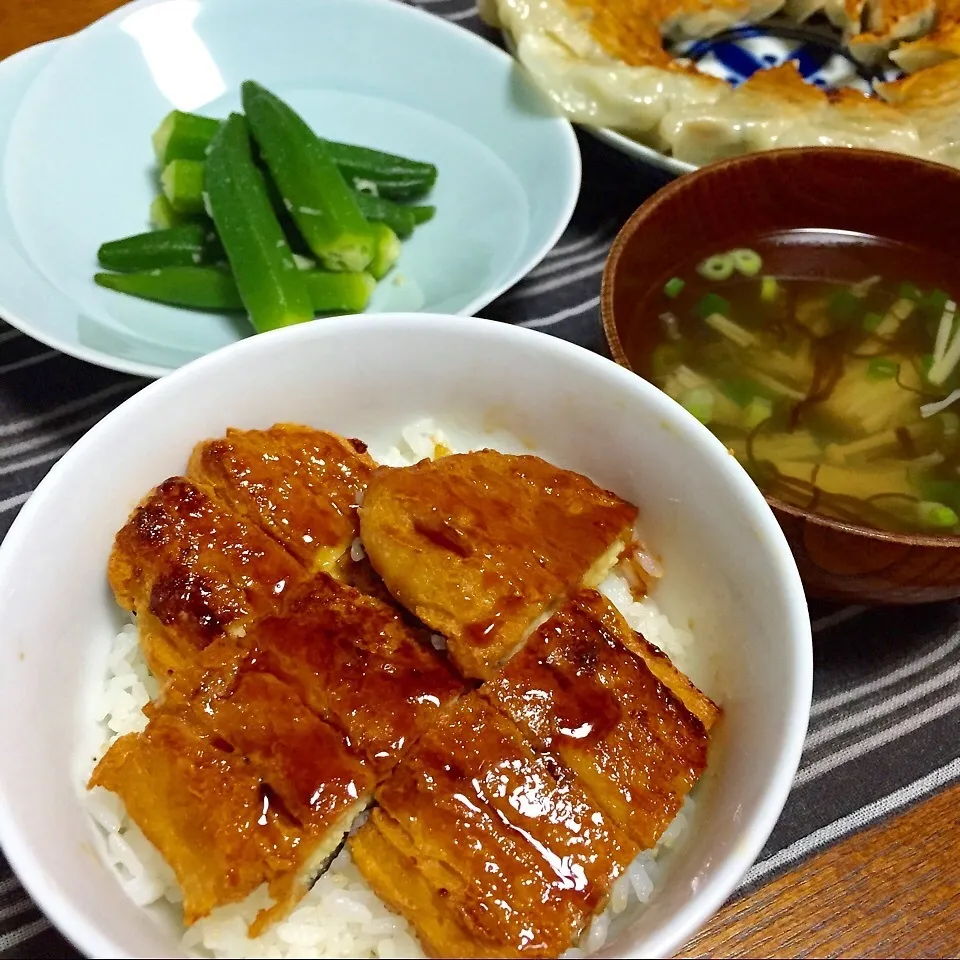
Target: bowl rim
point(567, 152)
point(664, 196)
point(675, 929)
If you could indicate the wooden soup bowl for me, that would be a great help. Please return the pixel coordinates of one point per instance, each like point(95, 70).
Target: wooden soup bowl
point(885, 195)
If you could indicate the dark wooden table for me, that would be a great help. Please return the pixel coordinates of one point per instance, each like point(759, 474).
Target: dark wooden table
point(890, 891)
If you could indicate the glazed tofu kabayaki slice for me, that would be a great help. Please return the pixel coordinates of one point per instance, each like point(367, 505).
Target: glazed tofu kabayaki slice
point(239, 791)
point(355, 662)
point(202, 808)
point(298, 484)
point(309, 766)
point(207, 555)
point(311, 707)
point(628, 725)
point(480, 545)
point(352, 659)
point(482, 848)
point(193, 570)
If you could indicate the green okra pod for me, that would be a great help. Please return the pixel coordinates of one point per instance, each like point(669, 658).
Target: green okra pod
point(185, 136)
point(311, 187)
point(214, 288)
point(190, 244)
point(270, 286)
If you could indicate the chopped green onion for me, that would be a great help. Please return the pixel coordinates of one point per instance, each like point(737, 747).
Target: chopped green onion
point(699, 402)
point(673, 287)
point(843, 306)
point(941, 492)
point(740, 390)
point(719, 267)
point(882, 369)
point(909, 291)
point(711, 303)
point(932, 304)
point(769, 289)
point(934, 514)
point(757, 410)
point(871, 321)
point(747, 262)
point(926, 364)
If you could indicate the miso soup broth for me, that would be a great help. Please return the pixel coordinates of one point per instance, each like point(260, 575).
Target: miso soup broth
point(828, 363)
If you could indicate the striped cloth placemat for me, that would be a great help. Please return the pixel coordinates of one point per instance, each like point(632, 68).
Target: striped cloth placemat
point(884, 726)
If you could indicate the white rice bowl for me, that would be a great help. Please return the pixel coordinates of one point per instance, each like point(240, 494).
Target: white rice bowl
point(340, 917)
point(728, 577)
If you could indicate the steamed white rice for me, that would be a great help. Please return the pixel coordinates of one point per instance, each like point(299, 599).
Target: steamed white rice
point(340, 917)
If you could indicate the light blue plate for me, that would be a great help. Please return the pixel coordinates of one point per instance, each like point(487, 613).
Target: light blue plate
point(78, 168)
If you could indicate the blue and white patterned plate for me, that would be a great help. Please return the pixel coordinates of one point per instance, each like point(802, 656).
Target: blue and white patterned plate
point(736, 54)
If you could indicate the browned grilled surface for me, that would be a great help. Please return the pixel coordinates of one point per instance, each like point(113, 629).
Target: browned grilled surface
point(582, 696)
point(194, 571)
point(632, 31)
point(510, 860)
point(301, 713)
point(663, 668)
point(298, 484)
point(239, 786)
point(930, 90)
point(900, 18)
point(204, 808)
point(308, 764)
point(940, 44)
point(627, 31)
point(889, 21)
point(398, 879)
point(358, 664)
point(205, 556)
point(478, 545)
point(304, 692)
point(354, 660)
